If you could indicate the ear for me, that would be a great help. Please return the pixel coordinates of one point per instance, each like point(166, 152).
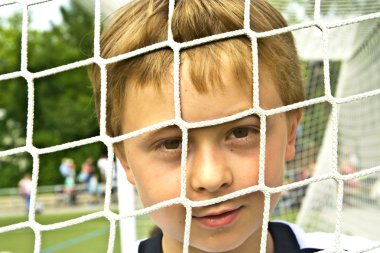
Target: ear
point(120, 153)
point(293, 123)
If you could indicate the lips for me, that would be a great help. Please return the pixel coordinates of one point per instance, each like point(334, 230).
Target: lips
point(218, 219)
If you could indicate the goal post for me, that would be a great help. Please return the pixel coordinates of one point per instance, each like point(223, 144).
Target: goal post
point(126, 200)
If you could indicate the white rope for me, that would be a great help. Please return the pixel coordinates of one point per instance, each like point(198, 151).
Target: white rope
point(317, 10)
point(24, 39)
point(111, 242)
point(183, 125)
point(264, 227)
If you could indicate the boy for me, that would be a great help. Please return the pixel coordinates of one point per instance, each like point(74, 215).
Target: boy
point(215, 82)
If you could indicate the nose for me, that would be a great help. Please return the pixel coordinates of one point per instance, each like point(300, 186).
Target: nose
point(208, 170)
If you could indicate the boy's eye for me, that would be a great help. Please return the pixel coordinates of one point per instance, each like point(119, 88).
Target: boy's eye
point(244, 133)
point(241, 132)
point(172, 144)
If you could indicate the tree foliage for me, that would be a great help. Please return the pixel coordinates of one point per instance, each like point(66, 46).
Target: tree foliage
point(64, 108)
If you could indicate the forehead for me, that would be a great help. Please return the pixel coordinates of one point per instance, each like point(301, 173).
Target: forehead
point(145, 106)
point(220, 100)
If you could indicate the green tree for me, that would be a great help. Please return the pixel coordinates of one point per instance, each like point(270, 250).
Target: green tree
point(64, 108)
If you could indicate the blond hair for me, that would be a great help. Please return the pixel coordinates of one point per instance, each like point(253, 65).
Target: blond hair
point(145, 22)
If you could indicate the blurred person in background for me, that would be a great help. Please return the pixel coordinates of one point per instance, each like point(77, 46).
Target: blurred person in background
point(25, 189)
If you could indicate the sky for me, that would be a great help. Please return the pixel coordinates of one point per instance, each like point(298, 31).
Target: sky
point(45, 12)
point(41, 14)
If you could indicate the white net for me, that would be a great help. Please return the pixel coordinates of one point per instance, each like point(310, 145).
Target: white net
point(351, 133)
point(358, 142)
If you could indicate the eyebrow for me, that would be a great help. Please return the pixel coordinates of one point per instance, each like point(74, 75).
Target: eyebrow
point(255, 116)
point(150, 135)
point(252, 116)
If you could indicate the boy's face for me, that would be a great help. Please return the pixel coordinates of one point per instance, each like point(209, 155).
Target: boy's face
point(221, 159)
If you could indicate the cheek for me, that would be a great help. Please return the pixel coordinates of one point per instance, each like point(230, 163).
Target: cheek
point(274, 161)
point(274, 167)
point(171, 220)
point(155, 182)
point(245, 167)
point(274, 170)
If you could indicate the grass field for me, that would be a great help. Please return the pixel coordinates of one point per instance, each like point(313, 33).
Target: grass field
point(91, 236)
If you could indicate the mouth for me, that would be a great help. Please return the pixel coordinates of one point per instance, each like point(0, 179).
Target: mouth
point(218, 220)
